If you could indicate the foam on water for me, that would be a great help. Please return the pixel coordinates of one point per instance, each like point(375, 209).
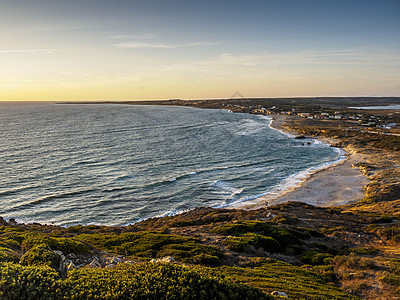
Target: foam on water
point(116, 164)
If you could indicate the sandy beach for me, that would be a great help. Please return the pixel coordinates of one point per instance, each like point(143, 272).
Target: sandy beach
point(338, 184)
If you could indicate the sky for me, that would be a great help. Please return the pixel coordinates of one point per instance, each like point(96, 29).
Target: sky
point(83, 50)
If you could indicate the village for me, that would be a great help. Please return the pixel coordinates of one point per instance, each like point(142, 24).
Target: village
point(355, 119)
point(381, 120)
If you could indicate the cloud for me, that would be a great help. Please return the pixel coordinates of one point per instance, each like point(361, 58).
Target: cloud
point(131, 37)
point(51, 51)
point(60, 28)
point(128, 45)
point(320, 57)
point(11, 51)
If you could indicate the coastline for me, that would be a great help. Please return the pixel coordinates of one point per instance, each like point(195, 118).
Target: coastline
point(334, 185)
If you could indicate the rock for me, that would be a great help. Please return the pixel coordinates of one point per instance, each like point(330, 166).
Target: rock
point(61, 254)
point(277, 293)
point(71, 256)
point(109, 266)
point(94, 264)
point(250, 249)
point(12, 221)
point(262, 253)
point(62, 260)
point(70, 266)
point(116, 260)
point(166, 259)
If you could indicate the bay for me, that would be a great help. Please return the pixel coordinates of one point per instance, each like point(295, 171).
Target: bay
point(119, 164)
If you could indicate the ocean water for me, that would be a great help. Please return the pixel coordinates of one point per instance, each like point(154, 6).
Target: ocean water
point(396, 106)
point(119, 164)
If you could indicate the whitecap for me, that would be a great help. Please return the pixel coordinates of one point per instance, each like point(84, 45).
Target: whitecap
point(226, 189)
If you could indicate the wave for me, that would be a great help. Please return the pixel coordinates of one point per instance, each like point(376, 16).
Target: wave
point(173, 212)
point(294, 179)
point(247, 127)
point(271, 120)
point(128, 159)
point(17, 190)
point(224, 204)
point(117, 189)
point(174, 178)
point(234, 166)
point(49, 198)
point(211, 170)
point(226, 188)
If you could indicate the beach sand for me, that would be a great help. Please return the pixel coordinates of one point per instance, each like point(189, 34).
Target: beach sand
point(338, 184)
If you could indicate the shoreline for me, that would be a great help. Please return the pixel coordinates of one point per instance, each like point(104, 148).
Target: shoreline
point(334, 185)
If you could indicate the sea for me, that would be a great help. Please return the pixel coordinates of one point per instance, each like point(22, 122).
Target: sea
point(396, 106)
point(113, 164)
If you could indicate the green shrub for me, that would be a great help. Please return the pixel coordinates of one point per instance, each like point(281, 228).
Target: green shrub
point(284, 236)
point(294, 249)
point(324, 248)
point(41, 255)
point(151, 244)
point(29, 283)
point(365, 250)
point(333, 230)
point(383, 219)
point(296, 282)
point(182, 223)
point(215, 217)
point(65, 245)
point(386, 232)
point(310, 232)
point(242, 227)
point(315, 258)
point(156, 281)
point(11, 239)
point(352, 261)
point(138, 281)
point(284, 219)
point(207, 260)
point(394, 266)
point(8, 255)
point(391, 279)
point(241, 244)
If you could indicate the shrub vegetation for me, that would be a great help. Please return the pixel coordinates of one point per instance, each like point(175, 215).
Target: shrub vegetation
point(138, 281)
point(154, 244)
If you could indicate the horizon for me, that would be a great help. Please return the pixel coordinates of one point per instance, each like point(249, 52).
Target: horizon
point(197, 99)
point(132, 51)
